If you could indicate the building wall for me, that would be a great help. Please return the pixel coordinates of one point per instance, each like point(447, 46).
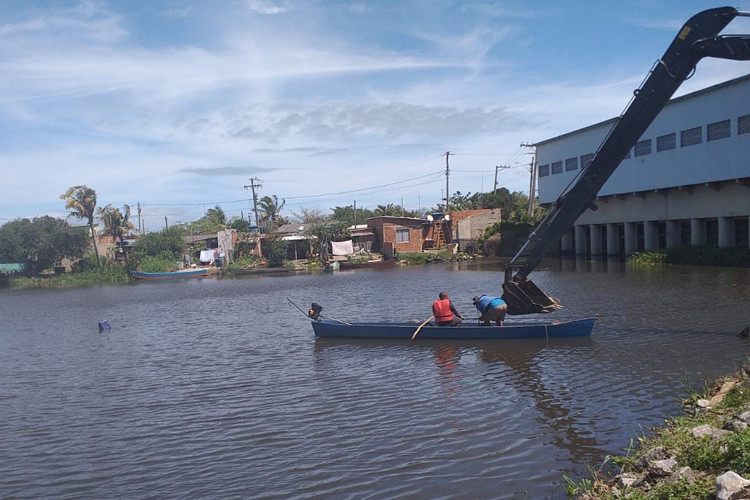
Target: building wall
point(385, 229)
point(709, 161)
point(697, 193)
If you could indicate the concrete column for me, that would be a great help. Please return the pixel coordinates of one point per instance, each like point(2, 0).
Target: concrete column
point(698, 232)
point(631, 238)
point(566, 243)
point(613, 239)
point(673, 233)
point(596, 239)
point(580, 232)
point(726, 232)
point(650, 235)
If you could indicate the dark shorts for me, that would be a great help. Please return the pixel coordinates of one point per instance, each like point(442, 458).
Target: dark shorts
point(455, 322)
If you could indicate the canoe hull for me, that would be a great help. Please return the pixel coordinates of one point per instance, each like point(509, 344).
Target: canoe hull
point(189, 273)
point(325, 328)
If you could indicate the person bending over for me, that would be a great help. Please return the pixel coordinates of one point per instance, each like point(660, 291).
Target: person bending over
point(491, 308)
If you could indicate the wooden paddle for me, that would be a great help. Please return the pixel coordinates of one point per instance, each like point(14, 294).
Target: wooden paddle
point(420, 327)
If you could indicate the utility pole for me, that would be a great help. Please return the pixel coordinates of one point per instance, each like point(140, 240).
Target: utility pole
point(140, 231)
point(252, 186)
point(447, 177)
point(355, 213)
point(166, 223)
point(532, 181)
point(498, 167)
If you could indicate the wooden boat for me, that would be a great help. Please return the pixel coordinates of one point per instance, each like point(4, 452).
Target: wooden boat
point(328, 328)
point(170, 275)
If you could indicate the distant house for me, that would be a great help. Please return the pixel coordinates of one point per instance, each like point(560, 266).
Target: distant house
point(408, 234)
point(396, 234)
point(469, 225)
point(299, 242)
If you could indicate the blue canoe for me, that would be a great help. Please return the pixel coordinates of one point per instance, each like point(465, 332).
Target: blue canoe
point(327, 328)
point(187, 273)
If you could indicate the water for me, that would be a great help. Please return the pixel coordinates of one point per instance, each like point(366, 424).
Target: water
point(218, 388)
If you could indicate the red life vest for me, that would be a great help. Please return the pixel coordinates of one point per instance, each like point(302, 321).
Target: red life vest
point(442, 310)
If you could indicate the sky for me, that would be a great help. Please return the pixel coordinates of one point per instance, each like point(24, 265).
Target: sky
point(176, 105)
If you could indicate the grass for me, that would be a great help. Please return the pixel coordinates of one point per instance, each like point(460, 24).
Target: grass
point(692, 255)
point(707, 457)
point(107, 274)
point(416, 258)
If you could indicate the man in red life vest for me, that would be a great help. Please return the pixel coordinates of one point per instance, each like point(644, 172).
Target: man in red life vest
point(445, 312)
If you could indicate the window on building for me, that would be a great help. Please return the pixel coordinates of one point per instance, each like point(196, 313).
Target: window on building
point(642, 148)
point(691, 136)
point(571, 164)
point(718, 130)
point(544, 170)
point(665, 142)
point(557, 167)
point(586, 159)
point(743, 125)
point(402, 236)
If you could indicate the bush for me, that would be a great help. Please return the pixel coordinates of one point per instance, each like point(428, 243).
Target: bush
point(158, 264)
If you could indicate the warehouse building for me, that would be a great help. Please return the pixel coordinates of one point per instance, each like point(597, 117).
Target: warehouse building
point(685, 182)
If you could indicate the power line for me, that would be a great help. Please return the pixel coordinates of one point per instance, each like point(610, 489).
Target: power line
point(360, 190)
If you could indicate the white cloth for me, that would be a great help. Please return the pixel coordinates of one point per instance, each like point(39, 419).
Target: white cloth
point(207, 255)
point(342, 247)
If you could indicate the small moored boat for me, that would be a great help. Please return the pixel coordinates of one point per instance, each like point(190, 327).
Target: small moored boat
point(187, 273)
point(329, 328)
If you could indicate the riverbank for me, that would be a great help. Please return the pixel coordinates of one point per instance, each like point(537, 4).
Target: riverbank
point(703, 455)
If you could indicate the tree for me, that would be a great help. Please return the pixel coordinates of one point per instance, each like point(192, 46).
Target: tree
point(81, 201)
point(349, 217)
point(40, 242)
point(310, 216)
point(213, 221)
point(166, 243)
point(324, 233)
point(270, 210)
point(391, 210)
point(116, 224)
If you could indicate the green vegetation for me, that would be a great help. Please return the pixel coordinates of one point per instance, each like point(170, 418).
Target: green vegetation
point(40, 243)
point(647, 259)
point(692, 255)
point(707, 456)
point(423, 257)
point(81, 201)
point(107, 273)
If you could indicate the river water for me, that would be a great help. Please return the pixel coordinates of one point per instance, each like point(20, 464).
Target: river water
point(218, 388)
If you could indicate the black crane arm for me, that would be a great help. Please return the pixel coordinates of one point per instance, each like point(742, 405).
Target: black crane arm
point(698, 38)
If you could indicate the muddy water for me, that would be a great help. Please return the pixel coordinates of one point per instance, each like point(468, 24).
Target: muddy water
point(217, 387)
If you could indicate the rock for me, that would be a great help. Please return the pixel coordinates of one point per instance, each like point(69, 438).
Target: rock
point(708, 430)
point(626, 479)
point(658, 453)
point(662, 468)
point(744, 416)
point(736, 425)
point(732, 486)
point(683, 474)
point(702, 403)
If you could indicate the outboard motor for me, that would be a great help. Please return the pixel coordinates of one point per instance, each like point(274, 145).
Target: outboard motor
point(315, 310)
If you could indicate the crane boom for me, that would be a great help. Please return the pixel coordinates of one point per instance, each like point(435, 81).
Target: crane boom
point(698, 38)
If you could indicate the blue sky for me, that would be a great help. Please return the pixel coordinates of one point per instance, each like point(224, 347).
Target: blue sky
point(177, 104)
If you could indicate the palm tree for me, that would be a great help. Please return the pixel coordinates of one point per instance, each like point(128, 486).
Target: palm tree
point(81, 201)
point(116, 224)
point(270, 210)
